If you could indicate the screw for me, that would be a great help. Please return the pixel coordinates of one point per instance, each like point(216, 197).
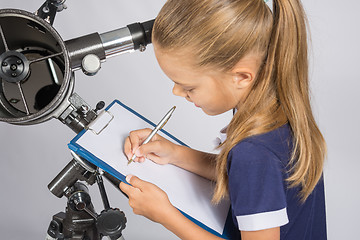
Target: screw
point(13, 67)
point(46, 10)
point(14, 75)
point(4, 64)
point(53, 226)
point(14, 100)
point(84, 109)
point(19, 62)
point(142, 48)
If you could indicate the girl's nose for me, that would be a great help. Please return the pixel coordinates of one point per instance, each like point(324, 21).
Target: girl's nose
point(178, 91)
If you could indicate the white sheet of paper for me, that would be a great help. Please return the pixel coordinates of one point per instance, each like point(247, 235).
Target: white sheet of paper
point(187, 191)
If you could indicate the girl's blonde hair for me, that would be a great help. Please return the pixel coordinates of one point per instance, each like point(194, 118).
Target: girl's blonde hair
point(220, 34)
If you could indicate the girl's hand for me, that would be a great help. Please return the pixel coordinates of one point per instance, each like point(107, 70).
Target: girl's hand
point(148, 200)
point(158, 150)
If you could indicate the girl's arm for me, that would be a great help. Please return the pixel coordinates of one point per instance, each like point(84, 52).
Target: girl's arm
point(148, 200)
point(195, 161)
point(267, 234)
point(162, 151)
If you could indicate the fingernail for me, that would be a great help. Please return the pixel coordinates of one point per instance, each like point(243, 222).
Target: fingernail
point(128, 178)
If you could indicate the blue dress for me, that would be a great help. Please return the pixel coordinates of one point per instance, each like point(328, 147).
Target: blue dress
point(259, 195)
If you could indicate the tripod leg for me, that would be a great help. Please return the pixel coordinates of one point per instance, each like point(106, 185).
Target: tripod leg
point(103, 194)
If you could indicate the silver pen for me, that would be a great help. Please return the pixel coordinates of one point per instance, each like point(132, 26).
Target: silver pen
point(155, 130)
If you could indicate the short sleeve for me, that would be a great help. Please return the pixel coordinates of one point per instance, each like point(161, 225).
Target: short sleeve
point(256, 187)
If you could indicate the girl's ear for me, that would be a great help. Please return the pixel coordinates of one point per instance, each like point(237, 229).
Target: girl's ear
point(242, 79)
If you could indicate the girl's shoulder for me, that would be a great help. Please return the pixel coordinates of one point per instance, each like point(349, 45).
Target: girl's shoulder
point(274, 144)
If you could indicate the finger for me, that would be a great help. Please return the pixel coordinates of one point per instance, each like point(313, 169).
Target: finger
point(141, 159)
point(127, 148)
point(120, 187)
point(136, 182)
point(154, 147)
point(137, 137)
point(126, 188)
point(134, 141)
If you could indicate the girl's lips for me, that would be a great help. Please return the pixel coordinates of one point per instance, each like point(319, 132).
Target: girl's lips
point(196, 105)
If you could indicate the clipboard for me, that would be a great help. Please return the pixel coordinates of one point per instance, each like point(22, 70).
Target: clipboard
point(102, 144)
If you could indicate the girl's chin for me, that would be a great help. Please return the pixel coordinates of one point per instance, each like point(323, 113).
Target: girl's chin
point(212, 112)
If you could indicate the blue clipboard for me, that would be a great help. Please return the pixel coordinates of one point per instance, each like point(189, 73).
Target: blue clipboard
point(102, 142)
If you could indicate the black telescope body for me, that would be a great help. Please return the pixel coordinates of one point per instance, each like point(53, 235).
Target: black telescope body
point(36, 65)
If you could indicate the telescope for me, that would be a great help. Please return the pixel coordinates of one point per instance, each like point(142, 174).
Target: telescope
point(37, 66)
point(37, 84)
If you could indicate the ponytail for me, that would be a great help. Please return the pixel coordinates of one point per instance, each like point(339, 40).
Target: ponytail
point(281, 94)
point(288, 52)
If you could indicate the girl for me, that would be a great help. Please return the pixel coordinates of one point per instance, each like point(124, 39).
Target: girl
point(239, 54)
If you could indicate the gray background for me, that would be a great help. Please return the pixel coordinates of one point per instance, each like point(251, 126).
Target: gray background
point(31, 156)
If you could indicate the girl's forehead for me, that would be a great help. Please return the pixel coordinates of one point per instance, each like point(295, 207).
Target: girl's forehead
point(175, 55)
point(176, 61)
point(182, 60)
point(181, 69)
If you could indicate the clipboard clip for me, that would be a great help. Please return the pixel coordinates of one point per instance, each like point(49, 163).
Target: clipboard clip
point(102, 120)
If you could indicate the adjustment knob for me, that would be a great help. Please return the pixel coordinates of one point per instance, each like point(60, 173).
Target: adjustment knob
point(91, 64)
point(111, 222)
point(100, 105)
